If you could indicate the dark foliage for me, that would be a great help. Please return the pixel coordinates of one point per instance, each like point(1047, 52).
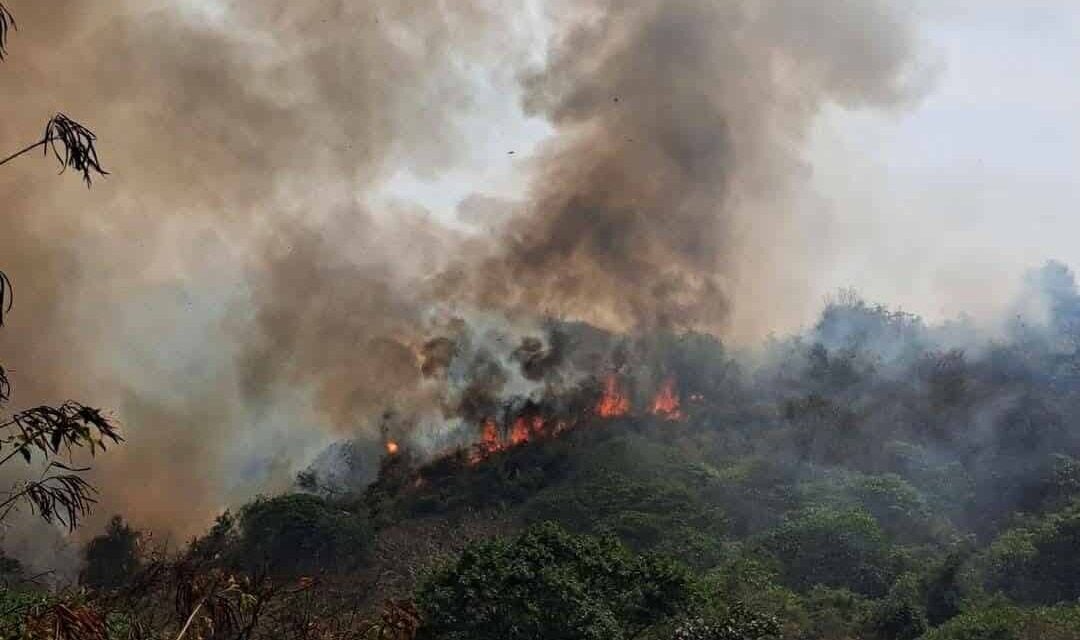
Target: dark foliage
point(300, 534)
point(944, 589)
point(1037, 562)
point(112, 558)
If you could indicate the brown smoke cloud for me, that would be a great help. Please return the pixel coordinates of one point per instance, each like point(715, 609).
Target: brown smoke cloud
point(679, 131)
point(229, 288)
point(242, 139)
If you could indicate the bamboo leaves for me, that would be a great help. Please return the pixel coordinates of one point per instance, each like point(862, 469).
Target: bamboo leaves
point(7, 23)
point(73, 146)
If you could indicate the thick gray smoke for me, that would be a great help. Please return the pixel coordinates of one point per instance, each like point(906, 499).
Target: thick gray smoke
point(233, 295)
point(678, 149)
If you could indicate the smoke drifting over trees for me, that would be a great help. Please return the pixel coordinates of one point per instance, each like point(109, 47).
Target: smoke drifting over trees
point(232, 282)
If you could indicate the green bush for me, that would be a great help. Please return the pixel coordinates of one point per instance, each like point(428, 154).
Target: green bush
point(834, 548)
point(1002, 621)
point(827, 614)
point(901, 615)
point(1038, 563)
point(112, 557)
point(736, 623)
point(300, 533)
point(662, 515)
point(550, 584)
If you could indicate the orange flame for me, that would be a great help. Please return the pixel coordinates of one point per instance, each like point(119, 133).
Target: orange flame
point(489, 436)
point(666, 402)
point(489, 442)
point(519, 431)
point(614, 402)
point(392, 447)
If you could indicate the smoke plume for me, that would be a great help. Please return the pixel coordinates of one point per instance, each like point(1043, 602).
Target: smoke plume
point(677, 149)
point(232, 293)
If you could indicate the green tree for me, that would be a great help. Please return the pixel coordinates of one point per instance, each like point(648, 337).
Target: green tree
point(998, 620)
point(737, 623)
point(548, 583)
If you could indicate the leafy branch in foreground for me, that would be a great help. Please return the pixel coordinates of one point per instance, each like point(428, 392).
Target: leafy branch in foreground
point(50, 431)
point(7, 21)
point(56, 497)
point(60, 494)
point(71, 143)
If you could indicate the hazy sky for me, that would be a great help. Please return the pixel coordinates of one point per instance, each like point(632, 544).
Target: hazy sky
point(944, 205)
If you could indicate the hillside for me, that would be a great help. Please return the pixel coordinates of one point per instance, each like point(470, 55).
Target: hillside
point(869, 479)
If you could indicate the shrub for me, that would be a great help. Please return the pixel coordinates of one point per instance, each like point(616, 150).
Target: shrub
point(550, 584)
point(1038, 562)
point(835, 548)
point(299, 533)
point(112, 557)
